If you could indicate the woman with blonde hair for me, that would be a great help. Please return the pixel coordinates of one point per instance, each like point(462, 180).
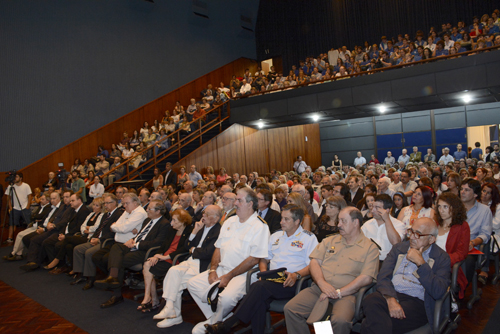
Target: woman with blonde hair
point(297, 199)
point(210, 174)
point(222, 177)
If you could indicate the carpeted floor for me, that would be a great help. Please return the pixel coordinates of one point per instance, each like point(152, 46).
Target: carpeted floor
point(493, 325)
point(81, 307)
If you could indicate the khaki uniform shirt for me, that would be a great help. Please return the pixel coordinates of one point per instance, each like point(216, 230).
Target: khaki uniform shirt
point(342, 263)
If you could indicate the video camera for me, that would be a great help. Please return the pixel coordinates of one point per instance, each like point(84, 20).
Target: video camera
point(11, 176)
point(62, 174)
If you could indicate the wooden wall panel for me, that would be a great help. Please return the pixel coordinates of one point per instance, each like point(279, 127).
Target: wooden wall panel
point(231, 150)
point(296, 142)
point(278, 150)
point(312, 148)
point(256, 150)
point(112, 132)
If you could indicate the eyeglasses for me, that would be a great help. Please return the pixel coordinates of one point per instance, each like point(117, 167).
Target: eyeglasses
point(416, 234)
point(108, 202)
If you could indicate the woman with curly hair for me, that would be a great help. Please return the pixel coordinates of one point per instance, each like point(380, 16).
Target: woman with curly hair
point(421, 206)
point(454, 232)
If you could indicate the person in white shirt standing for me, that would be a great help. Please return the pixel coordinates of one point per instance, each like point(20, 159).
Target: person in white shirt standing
point(19, 201)
point(359, 160)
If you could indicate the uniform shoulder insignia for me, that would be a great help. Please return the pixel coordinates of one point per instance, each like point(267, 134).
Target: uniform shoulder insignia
point(262, 219)
point(307, 232)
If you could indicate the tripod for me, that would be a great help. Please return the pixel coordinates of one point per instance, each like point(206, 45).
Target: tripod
point(12, 190)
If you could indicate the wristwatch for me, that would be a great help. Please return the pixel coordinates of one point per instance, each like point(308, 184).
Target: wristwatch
point(299, 276)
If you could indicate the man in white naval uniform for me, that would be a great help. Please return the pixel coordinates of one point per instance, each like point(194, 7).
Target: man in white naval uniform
point(242, 242)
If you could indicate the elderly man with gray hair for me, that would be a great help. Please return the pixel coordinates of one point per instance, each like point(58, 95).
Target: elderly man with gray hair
point(414, 276)
point(383, 186)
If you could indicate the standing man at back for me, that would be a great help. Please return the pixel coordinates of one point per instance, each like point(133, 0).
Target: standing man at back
point(20, 196)
point(300, 165)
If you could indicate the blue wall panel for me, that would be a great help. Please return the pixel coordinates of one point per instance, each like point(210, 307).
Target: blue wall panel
point(423, 138)
point(389, 141)
point(451, 136)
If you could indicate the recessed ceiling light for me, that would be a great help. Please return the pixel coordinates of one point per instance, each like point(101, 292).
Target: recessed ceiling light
point(260, 125)
point(382, 108)
point(315, 118)
point(467, 98)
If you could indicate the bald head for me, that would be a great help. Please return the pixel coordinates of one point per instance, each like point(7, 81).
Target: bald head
point(428, 231)
point(211, 215)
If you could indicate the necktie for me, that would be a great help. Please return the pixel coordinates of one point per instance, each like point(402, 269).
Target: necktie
point(97, 233)
point(144, 232)
point(260, 214)
point(223, 217)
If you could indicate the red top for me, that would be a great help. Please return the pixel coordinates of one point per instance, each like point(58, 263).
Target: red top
point(173, 247)
point(457, 247)
point(375, 161)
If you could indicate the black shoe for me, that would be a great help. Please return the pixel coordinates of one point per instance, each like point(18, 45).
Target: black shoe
point(89, 285)
point(112, 301)
point(30, 266)
point(217, 328)
point(78, 280)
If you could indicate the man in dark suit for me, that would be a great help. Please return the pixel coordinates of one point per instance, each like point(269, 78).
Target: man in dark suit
point(37, 220)
point(34, 241)
point(355, 194)
point(252, 183)
point(201, 245)
point(272, 217)
point(83, 266)
point(185, 203)
point(67, 228)
point(170, 175)
point(414, 275)
point(121, 256)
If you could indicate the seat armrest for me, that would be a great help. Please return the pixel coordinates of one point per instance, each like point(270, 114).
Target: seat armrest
point(367, 289)
point(179, 258)
point(249, 277)
point(149, 252)
point(106, 241)
point(300, 283)
point(438, 311)
point(454, 275)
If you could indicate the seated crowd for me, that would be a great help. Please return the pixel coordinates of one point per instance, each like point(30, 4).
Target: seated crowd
point(410, 220)
point(110, 165)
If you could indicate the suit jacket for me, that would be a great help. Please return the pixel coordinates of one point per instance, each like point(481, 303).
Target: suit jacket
point(205, 252)
point(106, 232)
point(54, 183)
point(434, 275)
point(62, 214)
point(198, 215)
point(273, 219)
point(171, 179)
point(457, 247)
point(231, 213)
point(40, 215)
point(358, 197)
point(416, 157)
point(253, 185)
point(155, 235)
point(76, 220)
point(190, 210)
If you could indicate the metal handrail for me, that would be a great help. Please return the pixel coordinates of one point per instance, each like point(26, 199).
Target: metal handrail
point(179, 143)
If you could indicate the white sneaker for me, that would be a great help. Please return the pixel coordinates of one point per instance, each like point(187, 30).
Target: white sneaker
point(170, 322)
point(200, 327)
point(165, 313)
